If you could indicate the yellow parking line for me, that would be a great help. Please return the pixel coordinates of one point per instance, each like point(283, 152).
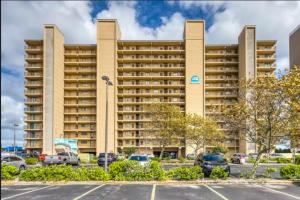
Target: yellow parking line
point(16, 195)
point(79, 197)
point(217, 193)
point(153, 192)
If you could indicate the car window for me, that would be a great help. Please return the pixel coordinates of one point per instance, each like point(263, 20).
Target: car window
point(62, 154)
point(213, 157)
point(7, 159)
point(13, 158)
point(139, 158)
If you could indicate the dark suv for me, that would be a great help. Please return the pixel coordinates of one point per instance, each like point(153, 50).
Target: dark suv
point(209, 161)
point(111, 157)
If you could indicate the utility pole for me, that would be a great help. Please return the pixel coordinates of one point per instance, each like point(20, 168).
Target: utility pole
point(15, 125)
point(108, 83)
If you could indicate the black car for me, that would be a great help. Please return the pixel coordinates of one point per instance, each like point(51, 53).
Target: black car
point(111, 157)
point(209, 161)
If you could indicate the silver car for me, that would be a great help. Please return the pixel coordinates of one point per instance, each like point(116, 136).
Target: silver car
point(11, 159)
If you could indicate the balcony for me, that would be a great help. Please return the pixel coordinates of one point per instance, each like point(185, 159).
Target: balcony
point(221, 71)
point(33, 128)
point(31, 75)
point(33, 58)
point(33, 102)
point(178, 77)
point(33, 93)
point(30, 136)
point(213, 96)
point(86, 146)
point(33, 67)
point(216, 62)
point(34, 146)
point(33, 84)
point(33, 119)
point(150, 60)
point(141, 86)
point(266, 59)
point(80, 62)
point(219, 79)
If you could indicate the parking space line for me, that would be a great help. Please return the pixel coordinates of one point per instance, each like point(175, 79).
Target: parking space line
point(153, 192)
point(217, 193)
point(84, 194)
point(279, 192)
point(16, 195)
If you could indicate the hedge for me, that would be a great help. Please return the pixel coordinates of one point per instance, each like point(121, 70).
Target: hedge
point(290, 171)
point(185, 173)
point(8, 172)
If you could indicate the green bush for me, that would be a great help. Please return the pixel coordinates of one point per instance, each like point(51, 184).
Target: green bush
point(94, 161)
point(63, 173)
point(31, 161)
point(252, 160)
point(297, 160)
point(220, 149)
point(181, 159)
point(246, 174)
point(283, 160)
point(290, 171)
point(218, 173)
point(8, 172)
point(156, 159)
point(268, 171)
point(132, 171)
point(185, 173)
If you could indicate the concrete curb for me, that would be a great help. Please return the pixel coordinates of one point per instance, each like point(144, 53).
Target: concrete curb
point(170, 182)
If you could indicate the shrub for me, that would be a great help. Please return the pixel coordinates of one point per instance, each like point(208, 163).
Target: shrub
point(61, 173)
point(132, 171)
point(220, 149)
point(156, 159)
point(290, 171)
point(268, 171)
point(218, 173)
point(31, 161)
point(297, 160)
point(94, 161)
point(252, 160)
point(283, 160)
point(181, 159)
point(246, 174)
point(129, 150)
point(8, 172)
point(186, 173)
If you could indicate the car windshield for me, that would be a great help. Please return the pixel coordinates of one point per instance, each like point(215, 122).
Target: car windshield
point(213, 158)
point(102, 155)
point(139, 158)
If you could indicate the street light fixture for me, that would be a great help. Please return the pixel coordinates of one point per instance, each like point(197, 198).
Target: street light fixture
point(15, 125)
point(108, 83)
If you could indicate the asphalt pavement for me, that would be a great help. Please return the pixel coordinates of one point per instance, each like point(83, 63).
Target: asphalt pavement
point(151, 192)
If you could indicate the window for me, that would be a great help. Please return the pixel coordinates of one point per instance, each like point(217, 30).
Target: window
point(13, 158)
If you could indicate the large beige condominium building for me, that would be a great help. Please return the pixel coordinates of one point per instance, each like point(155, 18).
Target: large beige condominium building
point(65, 96)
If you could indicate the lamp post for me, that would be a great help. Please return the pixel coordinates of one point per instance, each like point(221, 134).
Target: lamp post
point(15, 125)
point(108, 83)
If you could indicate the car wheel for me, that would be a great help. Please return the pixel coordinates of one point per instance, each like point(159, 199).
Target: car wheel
point(21, 168)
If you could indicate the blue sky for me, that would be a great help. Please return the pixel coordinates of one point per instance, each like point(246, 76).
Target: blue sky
point(138, 20)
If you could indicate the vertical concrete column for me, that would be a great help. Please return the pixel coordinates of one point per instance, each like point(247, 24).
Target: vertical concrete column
point(194, 69)
point(108, 33)
point(53, 91)
point(247, 69)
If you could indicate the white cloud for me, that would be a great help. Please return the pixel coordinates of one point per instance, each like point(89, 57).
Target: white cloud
point(126, 14)
point(273, 20)
point(10, 112)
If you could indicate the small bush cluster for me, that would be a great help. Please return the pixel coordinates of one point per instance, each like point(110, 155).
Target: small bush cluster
point(156, 159)
point(283, 160)
point(252, 160)
point(186, 173)
point(268, 172)
point(133, 171)
point(31, 161)
point(290, 171)
point(218, 173)
point(61, 173)
point(8, 172)
point(246, 174)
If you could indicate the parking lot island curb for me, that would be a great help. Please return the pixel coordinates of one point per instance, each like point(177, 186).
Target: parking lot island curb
point(170, 182)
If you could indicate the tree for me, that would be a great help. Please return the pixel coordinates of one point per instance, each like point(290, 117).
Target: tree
point(291, 88)
point(201, 131)
point(128, 151)
point(167, 124)
point(260, 115)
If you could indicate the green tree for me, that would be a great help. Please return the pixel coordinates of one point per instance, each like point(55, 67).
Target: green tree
point(260, 115)
point(129, 150)
point(201, 131)
point(167, 124)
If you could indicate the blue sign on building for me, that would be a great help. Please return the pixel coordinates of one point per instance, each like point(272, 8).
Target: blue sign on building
point(195, 79)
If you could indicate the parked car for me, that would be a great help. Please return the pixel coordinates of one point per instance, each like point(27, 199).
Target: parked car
point(209, 161)
point(252, 155)
point(14, 160)
point(111, 157)
point(67, 158)
point(142, 159)
point(150, 155)
point(238, 158)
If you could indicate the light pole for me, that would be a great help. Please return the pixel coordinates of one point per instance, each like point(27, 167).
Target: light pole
point(108, 83)
point(15, 125)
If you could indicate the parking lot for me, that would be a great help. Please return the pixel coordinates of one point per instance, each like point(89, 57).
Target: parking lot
point(151, 192)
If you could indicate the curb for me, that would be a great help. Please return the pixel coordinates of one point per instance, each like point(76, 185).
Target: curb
point(198, 182)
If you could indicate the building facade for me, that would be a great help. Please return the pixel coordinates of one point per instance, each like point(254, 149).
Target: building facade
point(65, 96)
point(294, 47)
